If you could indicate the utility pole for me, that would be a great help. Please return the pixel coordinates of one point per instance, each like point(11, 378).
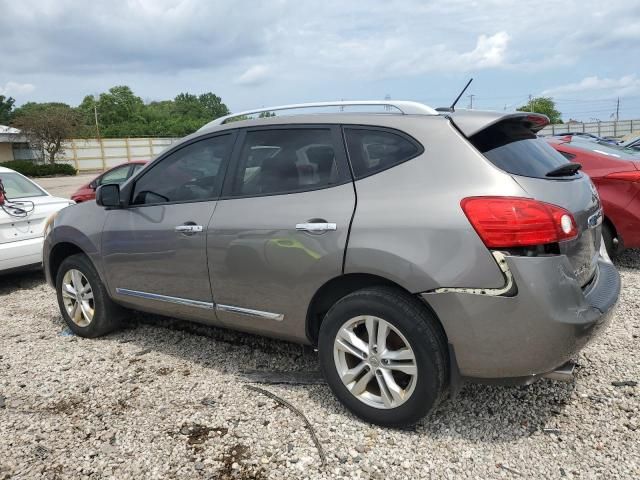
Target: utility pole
point(95, 114)
point(618, 109)
point(531, 109)
point(471, 101)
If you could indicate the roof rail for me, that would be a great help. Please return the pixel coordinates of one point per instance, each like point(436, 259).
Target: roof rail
point(402, 106)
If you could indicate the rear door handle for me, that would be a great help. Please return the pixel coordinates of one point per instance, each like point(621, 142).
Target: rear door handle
point(188, 229)
point(318, 227)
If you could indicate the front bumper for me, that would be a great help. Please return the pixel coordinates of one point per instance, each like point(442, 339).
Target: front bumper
point(533, 332)
point(23, 253)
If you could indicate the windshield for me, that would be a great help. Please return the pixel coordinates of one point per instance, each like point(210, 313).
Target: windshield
point(17, 186)
point(609, 150)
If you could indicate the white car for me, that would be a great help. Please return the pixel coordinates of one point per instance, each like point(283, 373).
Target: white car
point(25, 209)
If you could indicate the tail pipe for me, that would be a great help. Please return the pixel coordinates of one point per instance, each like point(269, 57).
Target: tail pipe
point(563, 373)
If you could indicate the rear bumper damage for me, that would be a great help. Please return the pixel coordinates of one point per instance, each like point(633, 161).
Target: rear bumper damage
point(533, 330)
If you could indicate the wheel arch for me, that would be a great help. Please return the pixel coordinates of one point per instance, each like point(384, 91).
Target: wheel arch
point(58, 253)
point(338, 287)
point(607, 221)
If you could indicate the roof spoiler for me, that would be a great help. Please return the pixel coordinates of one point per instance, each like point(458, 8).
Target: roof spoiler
point(471, 122)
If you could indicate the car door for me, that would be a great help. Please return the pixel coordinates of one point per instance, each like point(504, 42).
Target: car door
point(154, 249)
point(280, 230)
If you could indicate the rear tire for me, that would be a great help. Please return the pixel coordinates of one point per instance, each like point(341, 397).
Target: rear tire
point(609, 243)
point(405, 374)
point(83, 300)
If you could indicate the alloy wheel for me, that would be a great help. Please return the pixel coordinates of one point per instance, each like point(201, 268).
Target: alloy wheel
point(375, 362)
point(77, 296)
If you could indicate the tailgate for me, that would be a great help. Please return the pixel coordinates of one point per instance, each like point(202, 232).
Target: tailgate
point(582, 201)
point(510, 143)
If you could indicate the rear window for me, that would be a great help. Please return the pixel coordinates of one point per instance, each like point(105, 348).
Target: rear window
point(17, 186)
point(514, 148)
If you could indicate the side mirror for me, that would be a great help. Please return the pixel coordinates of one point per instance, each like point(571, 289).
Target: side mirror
point(108, 195)
point(93, 184)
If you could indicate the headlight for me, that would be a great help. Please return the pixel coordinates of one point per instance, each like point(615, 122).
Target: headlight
point(48, 224)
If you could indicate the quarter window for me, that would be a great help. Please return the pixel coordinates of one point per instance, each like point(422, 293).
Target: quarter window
point(372, 151)
point(136, 168)
point(285, 160)
point(190, 174)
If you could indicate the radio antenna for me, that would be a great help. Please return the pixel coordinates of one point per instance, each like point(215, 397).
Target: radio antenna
point(451, 108)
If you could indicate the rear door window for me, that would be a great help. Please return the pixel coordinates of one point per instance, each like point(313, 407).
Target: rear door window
point(514, 148)
point(372, 151)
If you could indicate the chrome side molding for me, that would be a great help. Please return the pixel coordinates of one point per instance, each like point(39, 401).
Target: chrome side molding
point(165, 298)
point(278, 317)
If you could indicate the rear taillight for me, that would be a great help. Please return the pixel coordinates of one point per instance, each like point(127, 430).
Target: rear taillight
point(632, 176)
point(506, 222)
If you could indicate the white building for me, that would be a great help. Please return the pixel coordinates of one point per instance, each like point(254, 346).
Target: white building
point(14, 145)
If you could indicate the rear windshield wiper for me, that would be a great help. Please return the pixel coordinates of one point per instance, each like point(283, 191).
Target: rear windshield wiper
point(564, 170)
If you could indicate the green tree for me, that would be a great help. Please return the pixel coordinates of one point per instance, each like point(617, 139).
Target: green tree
point(6, 106)
point(47, 125)
point(544, 105)
point(187, 105)
point(121, 113)
point(213, 106)
point(119, 105)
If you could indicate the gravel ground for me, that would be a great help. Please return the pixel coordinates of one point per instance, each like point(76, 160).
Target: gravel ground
point(159, 401)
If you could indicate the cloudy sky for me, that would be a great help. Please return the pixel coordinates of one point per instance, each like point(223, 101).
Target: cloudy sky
point(255, 53)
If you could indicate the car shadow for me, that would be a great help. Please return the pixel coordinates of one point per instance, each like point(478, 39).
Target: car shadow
point(480, 413)
point(473, 415)
point(10, 282)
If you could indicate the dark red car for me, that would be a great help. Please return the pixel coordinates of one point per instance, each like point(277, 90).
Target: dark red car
point(616, 174)
point(119, 175)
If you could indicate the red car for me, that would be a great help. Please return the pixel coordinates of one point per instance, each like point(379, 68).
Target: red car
point(616, 174)
point(119, 175)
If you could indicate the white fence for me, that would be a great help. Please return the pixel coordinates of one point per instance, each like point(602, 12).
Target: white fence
point(602, 129)
point(91, 154)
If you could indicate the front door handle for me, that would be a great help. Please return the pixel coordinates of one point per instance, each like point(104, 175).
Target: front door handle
point(188, 229)
point(316, 227)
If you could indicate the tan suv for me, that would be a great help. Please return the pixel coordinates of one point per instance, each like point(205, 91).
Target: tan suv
point(417, 249)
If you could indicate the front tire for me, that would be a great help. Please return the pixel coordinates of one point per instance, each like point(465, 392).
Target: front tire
point(384, 356)
point(84, 303)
